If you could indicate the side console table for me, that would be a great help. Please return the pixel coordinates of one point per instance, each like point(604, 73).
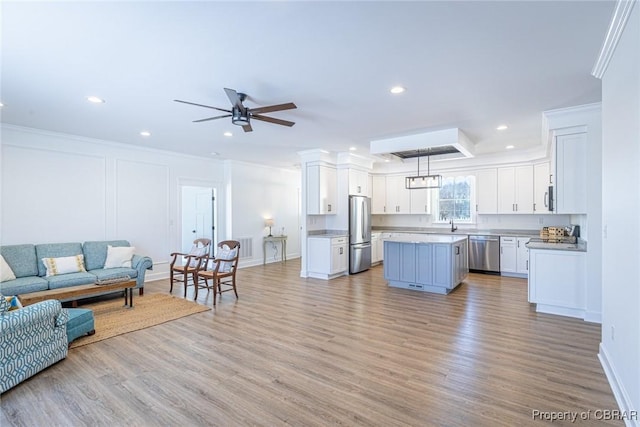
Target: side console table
point(275, 239)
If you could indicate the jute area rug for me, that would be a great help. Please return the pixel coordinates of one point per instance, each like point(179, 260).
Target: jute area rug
point(112, 318)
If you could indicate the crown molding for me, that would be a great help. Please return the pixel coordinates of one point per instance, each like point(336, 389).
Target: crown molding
point(616, 28)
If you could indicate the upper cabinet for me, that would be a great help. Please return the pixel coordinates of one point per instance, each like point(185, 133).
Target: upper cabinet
point(378, 194)
point(358, 183)
point(321, 190)
point(571, 173)
point(487, 191)
point(398, 197)
point(515, 189)
point(541, 183)
point(420, 201)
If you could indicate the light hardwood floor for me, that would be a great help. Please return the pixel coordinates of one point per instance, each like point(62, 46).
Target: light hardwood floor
point(350, 351)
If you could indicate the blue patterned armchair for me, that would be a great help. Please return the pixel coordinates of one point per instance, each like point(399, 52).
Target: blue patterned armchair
point(31, 339)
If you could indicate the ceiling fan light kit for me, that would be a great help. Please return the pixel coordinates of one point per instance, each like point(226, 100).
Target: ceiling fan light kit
point(241, 115)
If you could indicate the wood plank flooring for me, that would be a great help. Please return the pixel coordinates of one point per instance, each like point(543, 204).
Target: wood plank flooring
point(351, 351)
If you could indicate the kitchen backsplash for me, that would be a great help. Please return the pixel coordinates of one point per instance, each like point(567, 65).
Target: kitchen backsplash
point(493, 222)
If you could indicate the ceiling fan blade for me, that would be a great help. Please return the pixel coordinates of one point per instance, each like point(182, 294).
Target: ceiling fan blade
point(273, 120)
point(202, 105)
point(211, 118)
point(271, 108)
point(234, 98)
point(247, 128)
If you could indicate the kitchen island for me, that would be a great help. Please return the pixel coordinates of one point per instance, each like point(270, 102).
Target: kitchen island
point(428, 263)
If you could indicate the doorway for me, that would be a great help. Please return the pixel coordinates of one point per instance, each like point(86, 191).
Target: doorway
point(199, 213)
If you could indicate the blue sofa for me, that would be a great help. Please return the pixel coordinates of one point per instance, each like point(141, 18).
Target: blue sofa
point(26, 262)
point(32, 338)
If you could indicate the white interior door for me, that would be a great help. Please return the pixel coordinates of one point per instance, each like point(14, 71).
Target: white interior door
point(198, 215)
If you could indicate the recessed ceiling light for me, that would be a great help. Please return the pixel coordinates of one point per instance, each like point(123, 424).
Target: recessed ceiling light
point(509, 147)
point(213, 153)
point(352, 148)
point(145, 133)
point(95, 99)
point(1, 104)
point(387, 160)
point(502, 127)
point(397, 89)
point(227, 134)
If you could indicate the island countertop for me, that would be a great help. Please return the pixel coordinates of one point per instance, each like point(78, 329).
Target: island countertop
point(426, 238)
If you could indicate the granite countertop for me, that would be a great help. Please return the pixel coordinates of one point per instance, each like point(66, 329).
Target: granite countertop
point(581, 246)
point(328, 234)
point(459, 231)
point(426, 238)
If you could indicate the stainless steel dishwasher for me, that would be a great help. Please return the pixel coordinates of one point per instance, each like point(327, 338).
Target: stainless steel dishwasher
point(484, 253)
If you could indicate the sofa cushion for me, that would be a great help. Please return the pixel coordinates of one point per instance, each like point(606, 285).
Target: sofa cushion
point(21, 258)
point(70, 279)
point(95, 253)
point(24, 285)
point(55, 250)
point(64, 265)
point(6, 273)
point(119, 256)
point(114, 273)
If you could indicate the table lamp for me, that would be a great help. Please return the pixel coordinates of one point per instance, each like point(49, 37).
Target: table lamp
point(269, 223)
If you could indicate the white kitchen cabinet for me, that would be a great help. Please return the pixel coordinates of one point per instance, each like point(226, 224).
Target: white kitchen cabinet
point(376, 248)
point(541, 183)
point(420, 201)
point(321, 190)
point(508, 254)
point(358, 183)
point(487, 191)
point(328, 257)
point(514, 256)
point(515, 189)
point(522, 255)
point(398, 197)
point(557, 281)
point(378, 194)
point(571, 174)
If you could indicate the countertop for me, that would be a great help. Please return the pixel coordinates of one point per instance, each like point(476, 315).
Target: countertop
point(581, 246)
point(459, 231)
point(426, 238)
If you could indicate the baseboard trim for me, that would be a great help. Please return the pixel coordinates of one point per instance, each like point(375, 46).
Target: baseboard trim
point(619, 393)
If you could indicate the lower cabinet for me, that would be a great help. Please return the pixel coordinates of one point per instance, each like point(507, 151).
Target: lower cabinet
point(558, 281)
point(431, 267)
point(376, 248)
point(514, 256)
point(328, 257)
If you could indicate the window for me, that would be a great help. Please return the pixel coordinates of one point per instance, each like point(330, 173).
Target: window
point(455, 199)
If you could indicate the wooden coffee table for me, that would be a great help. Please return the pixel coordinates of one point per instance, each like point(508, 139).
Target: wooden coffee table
point(81, 291)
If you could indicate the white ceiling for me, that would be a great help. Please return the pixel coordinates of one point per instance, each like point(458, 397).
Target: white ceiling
point(470, 65)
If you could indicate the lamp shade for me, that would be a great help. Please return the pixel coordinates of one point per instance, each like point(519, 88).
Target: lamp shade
point(268, 222)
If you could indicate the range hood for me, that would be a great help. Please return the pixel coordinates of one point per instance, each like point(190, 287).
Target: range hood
point(441, 144)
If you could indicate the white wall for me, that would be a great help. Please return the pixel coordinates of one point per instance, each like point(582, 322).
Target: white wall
point(259, 192)
point(620, 347)
point(63, 188)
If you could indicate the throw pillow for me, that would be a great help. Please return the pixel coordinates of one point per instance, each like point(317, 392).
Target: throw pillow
point(226, 253)
point(6, 273)
point(197, 251)
point(64, 265)
point(13, 303)
point(119, 256)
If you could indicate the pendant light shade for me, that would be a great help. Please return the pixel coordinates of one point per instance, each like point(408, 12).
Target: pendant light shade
point(423, 181)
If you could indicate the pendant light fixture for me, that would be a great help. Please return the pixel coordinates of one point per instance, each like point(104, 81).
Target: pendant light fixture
point(423, 181)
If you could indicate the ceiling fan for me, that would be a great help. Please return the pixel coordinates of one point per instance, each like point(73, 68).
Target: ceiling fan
point(241, 115)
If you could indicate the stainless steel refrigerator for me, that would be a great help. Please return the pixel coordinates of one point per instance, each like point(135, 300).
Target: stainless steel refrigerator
point(359, 234)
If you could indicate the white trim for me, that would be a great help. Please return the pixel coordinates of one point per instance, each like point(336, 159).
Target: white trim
point(616, 28)
point(620, 394)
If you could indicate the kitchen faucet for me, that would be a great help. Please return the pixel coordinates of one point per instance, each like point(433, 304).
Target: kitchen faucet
point(452, 227)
